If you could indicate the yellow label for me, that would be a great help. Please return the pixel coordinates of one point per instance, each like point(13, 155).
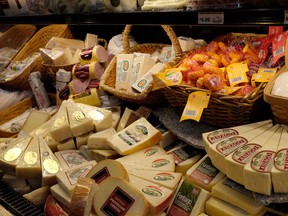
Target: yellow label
point(50, 166)
point(78, 116)
point(169, 77)
point(12, 154)
point(197, 102)
point(31, 157)
point(237, 73)
point(60, 121)
point(230, 90)
point(264, 75)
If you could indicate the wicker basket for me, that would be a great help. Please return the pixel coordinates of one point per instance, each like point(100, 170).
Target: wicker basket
point(223, 110)
point(147, 97)
point(39, 40)
point(14, 111)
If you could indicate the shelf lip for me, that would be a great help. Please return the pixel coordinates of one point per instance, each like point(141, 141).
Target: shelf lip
point(242, 16)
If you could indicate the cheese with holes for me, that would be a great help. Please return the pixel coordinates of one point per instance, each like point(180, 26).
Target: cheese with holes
point(158, 197)
point(9, 157)
point(67, 178)
point(218, 151)
point(167, 137)
point(68, 144)
point(209, 138)
point(204, 173)
point(159, 163)
point(49, 164)
point(235, 162)
point(60, 195)
point(218, 207)
point(137, 136)
point(189, 199)
point(185, 156)
point(128, 117)
point(60, 129)
point(106, 168)
point(102, 118)
point(163, 178)
point(98, 140)
point(29, 165)
point(116, 196)
point(279, 171)
point(257, 177)
point(70, 158)
point(232, 196)
point(82, 197)
point(80, 123)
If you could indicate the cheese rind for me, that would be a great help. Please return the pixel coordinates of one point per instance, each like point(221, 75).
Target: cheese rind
point(119, 197)
point(137, 136)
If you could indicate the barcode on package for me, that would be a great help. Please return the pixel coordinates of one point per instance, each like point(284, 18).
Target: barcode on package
point(191, 113)
point(279, 51)
point(236, 79)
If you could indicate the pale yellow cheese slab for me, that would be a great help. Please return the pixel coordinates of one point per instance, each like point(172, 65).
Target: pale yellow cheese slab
point(137, 136)
point(68, 144)
point(116, 115)
point(98, 140)
point(82, 139)
point(60, 195)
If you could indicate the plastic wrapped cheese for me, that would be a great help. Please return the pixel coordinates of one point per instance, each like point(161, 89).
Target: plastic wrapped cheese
point(280, 86)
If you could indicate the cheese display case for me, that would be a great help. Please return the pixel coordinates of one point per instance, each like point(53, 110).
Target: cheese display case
point(95, 154)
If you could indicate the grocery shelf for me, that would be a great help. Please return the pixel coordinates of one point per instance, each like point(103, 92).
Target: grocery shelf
point(242, 16)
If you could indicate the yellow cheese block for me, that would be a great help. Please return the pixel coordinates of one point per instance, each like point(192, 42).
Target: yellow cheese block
point(217, 207)
point(218, 151)
point(67, 178)
point(68, 144)
point(116, 196)
point(204, 173)
point(70, 158)
point(189, 199)
point(29, 165)
point(209, 138)
point(235, 162)
point(257, 177)
point(106, 168)
point(228, 194)
point(60, 129)
point(82, 139)
point(49, 164)
point(279, 170)
point(98, 140)
point(137, 136)
point(158, 197)
point(51, 142)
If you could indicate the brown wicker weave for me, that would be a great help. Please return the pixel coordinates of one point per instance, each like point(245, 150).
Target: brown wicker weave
point(39, 40)
point(109, 77)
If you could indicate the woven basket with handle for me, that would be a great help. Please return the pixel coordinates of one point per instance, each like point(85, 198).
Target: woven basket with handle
point(147, 97)
point(39, 40)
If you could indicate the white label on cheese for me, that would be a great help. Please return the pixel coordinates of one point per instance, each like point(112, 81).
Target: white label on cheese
point(229, 145)
point(263, 161)
point(244, 154)
point(221, 134)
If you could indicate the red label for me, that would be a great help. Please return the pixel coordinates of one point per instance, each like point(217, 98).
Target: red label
point(263, 161)
point(243, 154)
point(227, 146)
point(221, 134)
point(101, 175)
point(281, 160)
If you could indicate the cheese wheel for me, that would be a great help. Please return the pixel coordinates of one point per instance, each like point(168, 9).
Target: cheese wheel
point(106, 168)
point(82, 197)
point(116, 196)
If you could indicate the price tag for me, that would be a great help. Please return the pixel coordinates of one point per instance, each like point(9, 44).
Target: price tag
point(286, 17)
point(211, 18)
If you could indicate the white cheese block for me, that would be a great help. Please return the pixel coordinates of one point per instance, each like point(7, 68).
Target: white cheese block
point(235, 162)
point(59, 42)
point(158, 197)
point(159, 163)
point(167, 137)
point(106, 168)
point(189, 199)
point(29, 165)
point(218, 207)
point(185, 156)
point(124, 64)
point(257, 177)
point(60, 130)
point(51, 142)
point(218, 151)
point(137, 136)
point(49, 164)
point(102, 118)
point(82, 197)
point(68, 144)
point(166, 179)
point(129, 116)
point(204, 173)
point(82, 139)
point(209, 138)
point(116, 196)
point(80, 123)
point(98, 140)
point(9, 157)
point(279, 172)
point(67, 178)
point(70, 158)
point(232, 196)
point(100, 154)
point(116, 115)
point(91, 40)
point(60, 195)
